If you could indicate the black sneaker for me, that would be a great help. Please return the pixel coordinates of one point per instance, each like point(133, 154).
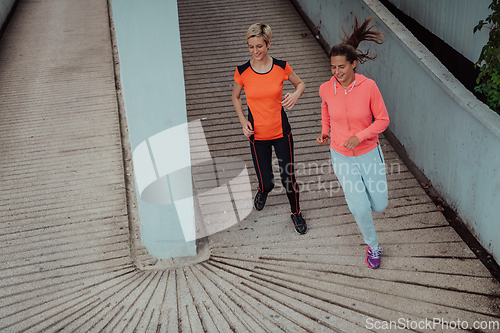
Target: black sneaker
point(260, 200)
point(299, 223)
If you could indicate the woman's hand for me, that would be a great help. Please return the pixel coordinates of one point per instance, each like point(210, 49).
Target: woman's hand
point(247, 128)
point(289, 100)
point(322, 139)
point(352, 142)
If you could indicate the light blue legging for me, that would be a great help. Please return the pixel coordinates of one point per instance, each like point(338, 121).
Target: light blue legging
point(364, 183)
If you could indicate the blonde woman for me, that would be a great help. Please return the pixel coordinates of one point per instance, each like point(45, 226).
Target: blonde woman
point(267, 125)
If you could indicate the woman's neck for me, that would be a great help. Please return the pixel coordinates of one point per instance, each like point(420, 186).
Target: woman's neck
point(262, 66)
point(346, 85)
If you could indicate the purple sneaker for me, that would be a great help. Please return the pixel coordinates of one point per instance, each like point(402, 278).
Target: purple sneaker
point(373, 256)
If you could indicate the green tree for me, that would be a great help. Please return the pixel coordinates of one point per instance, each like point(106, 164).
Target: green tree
point(489, 60)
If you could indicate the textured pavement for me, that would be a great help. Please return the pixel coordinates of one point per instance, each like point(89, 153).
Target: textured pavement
point(64, 226)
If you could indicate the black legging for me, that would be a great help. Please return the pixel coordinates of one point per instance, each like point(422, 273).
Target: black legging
point(261, 155)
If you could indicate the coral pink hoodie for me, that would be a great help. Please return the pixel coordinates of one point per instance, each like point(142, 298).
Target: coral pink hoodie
point(349, 112)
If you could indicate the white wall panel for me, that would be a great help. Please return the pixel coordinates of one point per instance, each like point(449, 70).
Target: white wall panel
point(451, 20)
point(5, 8)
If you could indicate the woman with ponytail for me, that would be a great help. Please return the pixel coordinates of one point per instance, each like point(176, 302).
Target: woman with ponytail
point(353, 115)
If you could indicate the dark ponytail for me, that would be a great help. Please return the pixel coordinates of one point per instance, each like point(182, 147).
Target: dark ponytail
point(349, 45)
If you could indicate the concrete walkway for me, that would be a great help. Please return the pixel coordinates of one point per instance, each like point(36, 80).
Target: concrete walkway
point(65, 254)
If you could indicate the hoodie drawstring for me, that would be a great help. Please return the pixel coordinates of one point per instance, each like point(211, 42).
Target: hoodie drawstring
point(335, 86)
point(352, 86)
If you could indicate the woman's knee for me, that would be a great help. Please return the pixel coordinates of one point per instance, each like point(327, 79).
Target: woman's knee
point(380, 205)
point(360, 210)
point(290, 184)
point(268, 186)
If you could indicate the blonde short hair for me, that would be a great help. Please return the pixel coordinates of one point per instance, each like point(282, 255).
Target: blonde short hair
point(260, 30)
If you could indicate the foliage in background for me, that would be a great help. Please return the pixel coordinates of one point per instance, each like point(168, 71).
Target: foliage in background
point(489, 61)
